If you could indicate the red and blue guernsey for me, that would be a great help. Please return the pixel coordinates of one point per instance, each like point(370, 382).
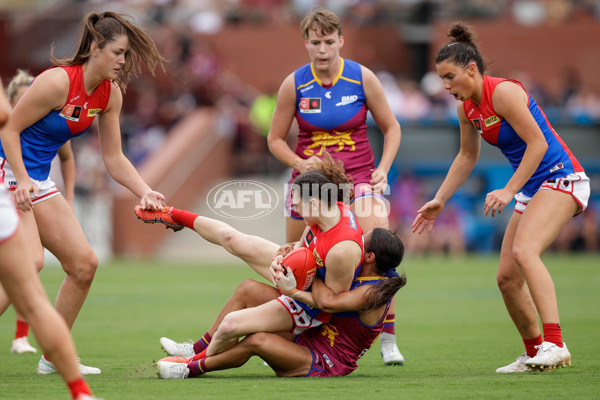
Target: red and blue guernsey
point(321, 242)
point(338, 345)
point(558, 161)
point(40, 142)
point(333, 118)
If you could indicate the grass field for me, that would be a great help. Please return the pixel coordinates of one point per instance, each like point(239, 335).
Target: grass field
point(452, 329)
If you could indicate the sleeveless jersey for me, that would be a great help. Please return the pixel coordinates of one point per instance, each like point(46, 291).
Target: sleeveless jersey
point(336, 346)
point(333, 119)
point(40, 142)
point(321, 242)
point(558, 160)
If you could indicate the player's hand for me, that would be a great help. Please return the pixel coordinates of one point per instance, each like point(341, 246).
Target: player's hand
point(286, 282)
point(310, 163)
point(426, 216)
point(22, 195)
point(152, 201)
point(497, 200)
point(276, 269)
point(284, 250)
point(379, 181)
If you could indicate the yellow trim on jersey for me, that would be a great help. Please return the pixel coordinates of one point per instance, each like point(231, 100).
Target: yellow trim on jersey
point(370, 278)
point(351, 80)
point(306, 84)
point(337, 77)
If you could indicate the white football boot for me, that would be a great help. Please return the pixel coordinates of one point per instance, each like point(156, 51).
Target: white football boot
point(549, 357)
point(21, 345)
point(389, 350)
point(517, 366)
point(45, 367)
point(173, 348)
point(172, 370)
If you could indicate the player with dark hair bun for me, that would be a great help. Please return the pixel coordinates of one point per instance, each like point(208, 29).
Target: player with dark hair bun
point(548, 184)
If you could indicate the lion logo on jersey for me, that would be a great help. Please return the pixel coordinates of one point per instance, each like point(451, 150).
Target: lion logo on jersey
point(329, 331)
point(323, 140)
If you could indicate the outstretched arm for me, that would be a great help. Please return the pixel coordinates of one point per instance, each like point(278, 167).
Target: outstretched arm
point(461, 168)
point(117, 165)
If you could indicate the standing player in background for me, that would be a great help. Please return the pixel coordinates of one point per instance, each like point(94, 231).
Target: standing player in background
point(15, 90)
point(330, 97)
point(25, 291)
point(549, 186)
point(62, 103)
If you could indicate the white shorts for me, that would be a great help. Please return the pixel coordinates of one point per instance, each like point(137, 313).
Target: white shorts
point(9, 218)
point(302, 321)
point(576, 184)
point(47, 188)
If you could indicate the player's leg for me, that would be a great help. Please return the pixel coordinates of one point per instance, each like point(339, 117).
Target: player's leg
point(255, 251)
point(62, 235)
point(23, 286)
point(28, 227)
point(284, 356)
point(248, 294)
point(517, 299)
point(268, 317)
point(547, 212)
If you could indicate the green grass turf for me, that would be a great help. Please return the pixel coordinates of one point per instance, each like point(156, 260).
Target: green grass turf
point(451, 324)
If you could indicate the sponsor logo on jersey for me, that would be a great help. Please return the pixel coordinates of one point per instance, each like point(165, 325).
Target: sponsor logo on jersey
point(12, 183)
point(318, 258)
point(352, 220)
point(477, 124)
point(73, 99)
point(310, 236)
point(310, 105)
point(494, 119)
point(347, 100)
point(71, 112)
point(330, 363)
point(557, 167)
point(92, 112)
point(328, 95)
point(306, 88)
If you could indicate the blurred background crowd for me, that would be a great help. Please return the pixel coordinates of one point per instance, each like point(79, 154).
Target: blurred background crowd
point(203, 72)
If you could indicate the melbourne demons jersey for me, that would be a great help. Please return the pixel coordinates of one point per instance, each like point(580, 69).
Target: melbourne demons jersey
point(558, 160)
point(321, 242)
point(40, 142)
point(334, 118)
point(337, 345)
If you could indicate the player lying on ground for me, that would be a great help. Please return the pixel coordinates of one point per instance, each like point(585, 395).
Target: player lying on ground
point(330, 349)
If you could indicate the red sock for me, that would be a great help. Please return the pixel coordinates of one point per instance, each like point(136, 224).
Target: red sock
point(389, 324)
point(199, 356)
point(530, 345)
point(203, 343)
point(184, 217)
point(22, 329)
point(553, 334)
point(46, 357)
point(79, 386)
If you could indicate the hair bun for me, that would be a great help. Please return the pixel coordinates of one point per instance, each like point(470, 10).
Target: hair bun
point(461, 33)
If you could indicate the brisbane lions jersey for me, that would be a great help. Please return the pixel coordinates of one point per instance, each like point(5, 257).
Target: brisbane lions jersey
point(333, 118)
point(558, 160)
point(40, 142)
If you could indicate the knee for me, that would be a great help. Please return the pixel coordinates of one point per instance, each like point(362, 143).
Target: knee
point(247, 289)
point(522, 253)
point(82, 269)
point(508, 282)
point(257, 341)
point(230, 326)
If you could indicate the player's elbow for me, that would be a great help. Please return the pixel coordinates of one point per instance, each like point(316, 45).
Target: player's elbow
point(3, 116)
